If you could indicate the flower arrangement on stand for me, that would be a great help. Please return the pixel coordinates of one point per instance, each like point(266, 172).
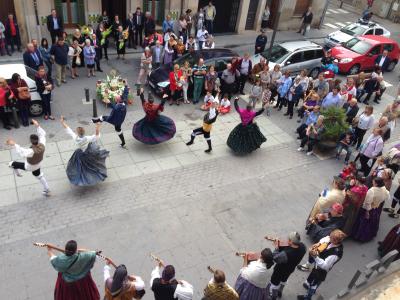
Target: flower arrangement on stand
point(113, 86)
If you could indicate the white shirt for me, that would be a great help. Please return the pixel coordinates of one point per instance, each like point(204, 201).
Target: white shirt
point(183, 291)
point(28, 152)
point(365, 122)
point(225, 103)
point(201, 35)
point(81, 142)
point(382, 61)
point(256, 273)
point(209, 98)
point(138, 283)
point(244, 67)
point(327, 263)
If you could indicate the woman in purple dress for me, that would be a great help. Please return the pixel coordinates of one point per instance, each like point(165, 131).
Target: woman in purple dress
point(254, 277)
point(367, 223)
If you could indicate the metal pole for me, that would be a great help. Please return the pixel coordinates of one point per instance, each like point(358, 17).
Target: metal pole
point(87, 96)
point(341, 4)
point(94, 102)
point(276, 22)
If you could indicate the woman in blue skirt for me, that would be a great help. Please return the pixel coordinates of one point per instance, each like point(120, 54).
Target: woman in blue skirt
point(87, 165)
point(153, 128)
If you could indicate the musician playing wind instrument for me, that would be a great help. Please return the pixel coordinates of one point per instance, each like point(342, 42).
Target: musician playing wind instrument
point(287, 255)
point(218, 288)
point(74, 279)
point(165, 286)
point(322, 257)
point(121, 286)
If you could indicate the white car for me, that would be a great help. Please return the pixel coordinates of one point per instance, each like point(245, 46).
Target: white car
point(352, 30)
point(28, 74)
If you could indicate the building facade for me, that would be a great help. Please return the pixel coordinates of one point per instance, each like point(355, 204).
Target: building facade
point(232, 15)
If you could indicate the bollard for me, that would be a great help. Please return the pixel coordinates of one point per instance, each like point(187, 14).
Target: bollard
point(87, 96)
point(94, 102)
point(15, 117)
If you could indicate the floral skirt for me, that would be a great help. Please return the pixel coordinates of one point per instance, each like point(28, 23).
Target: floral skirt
point(155, 131)
point(82, 289)
point(87, 167)
point(245, 139)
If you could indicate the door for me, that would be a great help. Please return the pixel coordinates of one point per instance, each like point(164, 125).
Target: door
point(7, 7)
point(157, 9)
point(251, 15)
point(378, 31)
point(227, 14)
point(294, 63)
point(370, 57)
point(115, 7)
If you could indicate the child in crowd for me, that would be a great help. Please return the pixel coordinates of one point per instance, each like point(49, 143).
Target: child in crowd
point(267, 99)
point(255, 93)
point(349, 170)
point(225, 105)
point(345, 142)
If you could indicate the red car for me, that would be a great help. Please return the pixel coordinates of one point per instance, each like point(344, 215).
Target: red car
point(360, 53)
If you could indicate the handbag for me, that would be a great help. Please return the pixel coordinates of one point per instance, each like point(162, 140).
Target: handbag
point(24, 94)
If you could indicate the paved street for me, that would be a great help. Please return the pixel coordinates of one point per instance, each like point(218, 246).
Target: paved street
point(189, 208)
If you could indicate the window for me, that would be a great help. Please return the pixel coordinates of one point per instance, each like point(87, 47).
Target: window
point(388, 47)
point(375, 51)
point(220, 65)
point(309, 55)
point(320, 53)
point(369, 32)
point(295, 58)
point(378, 31)
point(71, 11)
point(301, 7)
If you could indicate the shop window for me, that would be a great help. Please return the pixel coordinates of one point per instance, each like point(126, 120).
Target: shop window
point(301, 7)
point(72, 11)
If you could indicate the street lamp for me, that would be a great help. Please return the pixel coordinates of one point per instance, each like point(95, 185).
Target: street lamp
point(276, 22)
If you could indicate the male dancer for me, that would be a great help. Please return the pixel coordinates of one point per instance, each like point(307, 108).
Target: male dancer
point(33, 156)
point(286, 259)
point(205, 130)
point(116, 117)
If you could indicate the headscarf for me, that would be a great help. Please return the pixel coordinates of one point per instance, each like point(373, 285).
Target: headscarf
point(119, 277)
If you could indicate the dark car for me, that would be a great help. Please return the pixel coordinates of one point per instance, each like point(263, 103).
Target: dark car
point(219, 58)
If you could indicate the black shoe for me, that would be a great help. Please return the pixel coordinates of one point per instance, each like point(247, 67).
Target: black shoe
point(365, 102)
point(286, 114)
point(291, 117)
point(208, 150)
point(99, 70)
point(375, 101)
point(7, 127)
point(242, 93)
point(301, 297)
point(189, 143)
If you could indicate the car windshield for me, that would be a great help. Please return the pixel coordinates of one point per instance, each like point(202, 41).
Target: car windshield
point(278, 54)
point(191, 58)
point(358, 46)
point(353, 30)
point(31, 73)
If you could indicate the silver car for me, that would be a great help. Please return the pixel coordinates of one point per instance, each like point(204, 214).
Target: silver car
point(294, 56)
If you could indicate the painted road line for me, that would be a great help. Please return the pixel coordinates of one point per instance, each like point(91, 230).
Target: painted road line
point(330, 25)
point(387, 84)
point(348, 22)
point(333, 11)
point(328, 12)
point(342, 11)
point(340, 24)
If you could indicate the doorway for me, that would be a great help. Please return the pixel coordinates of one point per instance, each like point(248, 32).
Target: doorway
point(115, 7)
point(226, 10)
point(7, 7)
point(251, 15)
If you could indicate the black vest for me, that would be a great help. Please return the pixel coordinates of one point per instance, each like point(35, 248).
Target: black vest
point(163, 291)
point(294, 257)
point(321, 273)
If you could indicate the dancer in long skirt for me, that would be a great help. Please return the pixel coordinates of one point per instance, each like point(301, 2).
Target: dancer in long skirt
point(209, 118)
point(74, 280)
point(246, 137)
point(367, 223)
point(33, 156)
point(121, 286)
point(116, 117)
point(154, 128)
point(87, 165)
point(254, 277)
point(391, 242)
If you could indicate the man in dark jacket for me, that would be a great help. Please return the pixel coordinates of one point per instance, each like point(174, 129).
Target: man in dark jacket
point(130, 23)
point(307, 19)
point(138, 20)
point(261, 42)
point(374, 85)
point(54, 25)
point(95, 42)
point(12, 33)
point(149, 25)
point(32, 57)
point(351, 108)
point(383, 61)
point(59, 54)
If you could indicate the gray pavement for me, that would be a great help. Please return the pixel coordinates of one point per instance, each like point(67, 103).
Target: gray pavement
point(189, 208)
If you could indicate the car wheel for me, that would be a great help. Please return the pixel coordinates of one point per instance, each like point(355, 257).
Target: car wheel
point(354, 70)
point(36, 108)
point(391, 66)
point(314, 73)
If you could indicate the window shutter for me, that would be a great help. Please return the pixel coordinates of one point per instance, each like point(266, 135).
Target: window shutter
point(161, 11)
point(58, 7)
point(145, 6)
point(81, 12)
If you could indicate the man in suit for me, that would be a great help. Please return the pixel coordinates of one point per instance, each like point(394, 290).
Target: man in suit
point(138, 21)
point(149, 25)
point(374, 85)
point(157, 52)
point(130, 23)
point(32, 57)
point(95, 42)
point(383, 61)
point(54, 25)
point(351, 108)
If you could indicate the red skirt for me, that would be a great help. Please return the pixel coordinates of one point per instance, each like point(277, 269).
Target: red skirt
point(82, 289)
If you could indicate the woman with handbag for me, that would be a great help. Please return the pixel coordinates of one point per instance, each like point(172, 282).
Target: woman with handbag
point(20, 90)
point(5, 96)
point(44, 87)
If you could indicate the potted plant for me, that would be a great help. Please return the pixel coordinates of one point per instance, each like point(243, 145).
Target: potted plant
point(335, 125)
